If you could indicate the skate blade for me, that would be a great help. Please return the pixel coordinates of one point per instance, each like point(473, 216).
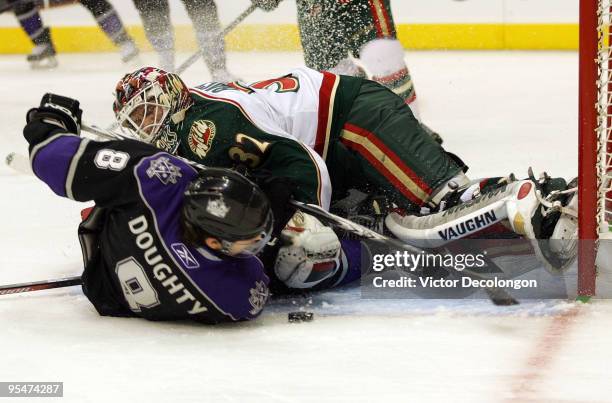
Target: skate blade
point(45, 64)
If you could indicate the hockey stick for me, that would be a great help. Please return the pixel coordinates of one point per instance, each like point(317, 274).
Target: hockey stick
point(40, 285)
point(4, 6)
point(19, 163)
point(498, 296)
point(192, 59)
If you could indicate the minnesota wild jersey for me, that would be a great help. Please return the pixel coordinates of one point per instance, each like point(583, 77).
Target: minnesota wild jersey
point(305, 104)
point(282, 125)
point(320, 130)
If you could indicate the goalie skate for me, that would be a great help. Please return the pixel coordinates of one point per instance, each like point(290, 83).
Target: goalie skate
point(556, 225)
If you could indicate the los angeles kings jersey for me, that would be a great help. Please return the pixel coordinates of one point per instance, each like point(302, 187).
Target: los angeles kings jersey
point(136, 261)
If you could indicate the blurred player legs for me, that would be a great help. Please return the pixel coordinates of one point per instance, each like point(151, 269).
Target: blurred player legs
point(43, 54)
point(333, 32)
point(155, 16)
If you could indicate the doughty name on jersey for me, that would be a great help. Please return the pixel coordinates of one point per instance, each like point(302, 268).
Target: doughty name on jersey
point(161, 270)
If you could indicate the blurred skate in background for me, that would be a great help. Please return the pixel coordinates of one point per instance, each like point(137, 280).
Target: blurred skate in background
point(43, 54)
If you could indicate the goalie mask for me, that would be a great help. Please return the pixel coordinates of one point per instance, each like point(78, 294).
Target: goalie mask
point(147, 101)
point(223, 204)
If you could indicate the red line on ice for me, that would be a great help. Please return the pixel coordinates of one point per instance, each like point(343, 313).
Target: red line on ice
point(525, 384)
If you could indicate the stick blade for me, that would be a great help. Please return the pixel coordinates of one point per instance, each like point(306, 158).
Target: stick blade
point(19, 163)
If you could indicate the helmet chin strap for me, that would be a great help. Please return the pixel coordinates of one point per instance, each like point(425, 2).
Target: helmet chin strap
point(179, 116)
point(167, 140)
point(255, 247)
point(249, 251)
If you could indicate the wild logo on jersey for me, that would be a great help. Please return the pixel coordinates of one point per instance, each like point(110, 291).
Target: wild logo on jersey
point(200, 138)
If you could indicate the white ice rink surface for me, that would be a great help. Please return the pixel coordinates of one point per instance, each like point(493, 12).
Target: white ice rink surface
point(501, 112)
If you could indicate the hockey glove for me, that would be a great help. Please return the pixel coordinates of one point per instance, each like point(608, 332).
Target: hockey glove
point(312, 253)
point(266, 5)
point(55, 113)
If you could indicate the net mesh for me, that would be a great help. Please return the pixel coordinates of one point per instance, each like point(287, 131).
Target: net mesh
point(604, 119)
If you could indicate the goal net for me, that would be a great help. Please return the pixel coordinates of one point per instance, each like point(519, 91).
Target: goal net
point(595, 138)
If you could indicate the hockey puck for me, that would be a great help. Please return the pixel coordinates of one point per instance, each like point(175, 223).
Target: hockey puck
point(300, 316)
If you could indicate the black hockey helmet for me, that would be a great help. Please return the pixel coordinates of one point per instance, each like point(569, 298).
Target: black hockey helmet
point(223, 204)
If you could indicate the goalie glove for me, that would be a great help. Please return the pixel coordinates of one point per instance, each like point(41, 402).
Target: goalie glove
point(311, 254)
point(54, 112)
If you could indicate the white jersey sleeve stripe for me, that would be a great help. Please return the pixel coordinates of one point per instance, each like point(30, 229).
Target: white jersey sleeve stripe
point(327, 94)
point(324, 187)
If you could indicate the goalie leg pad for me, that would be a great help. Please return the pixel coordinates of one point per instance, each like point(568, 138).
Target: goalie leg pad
point(515, 202)
point(518, 203)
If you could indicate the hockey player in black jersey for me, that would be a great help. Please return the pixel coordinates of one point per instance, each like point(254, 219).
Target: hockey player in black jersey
point(164, 241)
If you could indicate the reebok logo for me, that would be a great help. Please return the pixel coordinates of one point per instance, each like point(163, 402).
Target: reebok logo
point(182, 252)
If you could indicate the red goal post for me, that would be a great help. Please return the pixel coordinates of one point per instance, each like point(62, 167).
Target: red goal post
point(595, 139)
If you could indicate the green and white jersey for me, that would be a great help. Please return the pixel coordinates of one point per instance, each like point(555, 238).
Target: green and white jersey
point(283, 126)
point(305, 104)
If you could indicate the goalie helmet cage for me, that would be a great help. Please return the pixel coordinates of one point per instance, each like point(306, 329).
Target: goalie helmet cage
point(595, 138)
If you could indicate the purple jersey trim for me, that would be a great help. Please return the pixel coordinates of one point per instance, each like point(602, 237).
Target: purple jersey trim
point(227, 283)
point(31, 23)
point(352, 251)
point(111, 24)
point(52, 161)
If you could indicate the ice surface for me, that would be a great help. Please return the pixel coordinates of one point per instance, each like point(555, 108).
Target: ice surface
point(501, 112)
